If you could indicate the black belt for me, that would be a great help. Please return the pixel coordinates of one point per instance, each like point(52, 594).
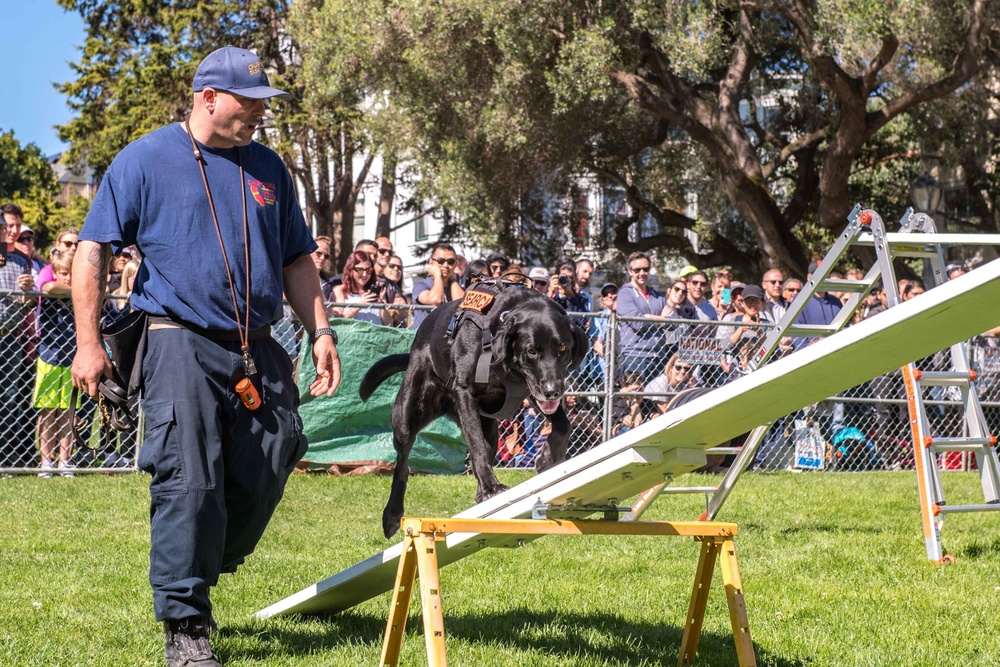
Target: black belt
point(157, 322)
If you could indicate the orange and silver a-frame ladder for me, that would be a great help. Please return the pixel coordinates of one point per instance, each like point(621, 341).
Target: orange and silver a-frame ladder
point(916, 239)
point(863, 226)
point(929, 447)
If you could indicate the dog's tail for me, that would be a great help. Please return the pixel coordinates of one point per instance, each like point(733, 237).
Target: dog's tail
point(381, 371)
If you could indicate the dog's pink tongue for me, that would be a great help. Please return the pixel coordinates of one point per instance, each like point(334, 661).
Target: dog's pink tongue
point(548, 407)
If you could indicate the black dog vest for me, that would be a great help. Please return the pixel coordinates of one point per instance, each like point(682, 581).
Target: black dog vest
point(478, 301)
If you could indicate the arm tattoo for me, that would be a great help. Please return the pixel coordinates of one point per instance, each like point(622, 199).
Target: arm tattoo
point(99, 258)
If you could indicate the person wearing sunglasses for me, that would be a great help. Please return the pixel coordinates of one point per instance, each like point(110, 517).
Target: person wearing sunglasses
point(25, 245)
point(388, 290)
point(677, 376)
point(790, 289)
point(321, 260)
point(743, 337)
point(609, 304)
point(697, 283)
point(774, 301)
point(116, 268)
point(356, 292)
point(394, 271)
point(65, 242)
point(641, 343)
point(498, 264)
point(678, 308)
point(440, 284)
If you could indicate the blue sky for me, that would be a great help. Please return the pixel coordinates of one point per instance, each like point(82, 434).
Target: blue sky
point(39, 40)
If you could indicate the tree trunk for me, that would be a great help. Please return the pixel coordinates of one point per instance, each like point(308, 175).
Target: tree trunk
point(343, 214)
point(387, 198)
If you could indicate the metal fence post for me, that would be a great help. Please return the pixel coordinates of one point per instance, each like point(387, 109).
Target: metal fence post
point(610, 363)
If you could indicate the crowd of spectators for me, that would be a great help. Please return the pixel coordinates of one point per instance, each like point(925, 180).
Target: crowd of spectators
point(37, 336)
point(700, 330)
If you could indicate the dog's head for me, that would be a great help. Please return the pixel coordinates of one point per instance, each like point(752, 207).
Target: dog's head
point(539, 342)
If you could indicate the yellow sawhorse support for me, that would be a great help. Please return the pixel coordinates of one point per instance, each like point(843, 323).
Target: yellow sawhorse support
point(419, 556)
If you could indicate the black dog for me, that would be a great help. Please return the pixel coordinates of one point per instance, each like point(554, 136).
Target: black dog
point(522, 343)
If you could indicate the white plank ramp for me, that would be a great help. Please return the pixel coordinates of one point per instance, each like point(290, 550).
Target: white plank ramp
point(675, 442)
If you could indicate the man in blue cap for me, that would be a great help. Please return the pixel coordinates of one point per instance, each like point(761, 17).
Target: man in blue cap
point(214, 215)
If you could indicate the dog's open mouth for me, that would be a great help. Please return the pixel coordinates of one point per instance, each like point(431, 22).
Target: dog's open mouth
point(548, 407)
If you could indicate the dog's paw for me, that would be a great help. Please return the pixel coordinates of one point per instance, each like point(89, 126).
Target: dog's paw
point(390, 522)
point(485, 494)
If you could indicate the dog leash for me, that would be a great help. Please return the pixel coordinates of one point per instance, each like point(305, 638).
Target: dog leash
point(112, 401)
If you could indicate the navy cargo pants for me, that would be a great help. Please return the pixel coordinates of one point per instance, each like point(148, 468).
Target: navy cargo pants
point(218, 468)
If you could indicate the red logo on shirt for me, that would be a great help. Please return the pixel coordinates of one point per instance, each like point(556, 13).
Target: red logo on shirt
point(262, 192)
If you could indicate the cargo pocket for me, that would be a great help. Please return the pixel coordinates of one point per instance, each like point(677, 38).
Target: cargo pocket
point(297, 444)
point(160, 455)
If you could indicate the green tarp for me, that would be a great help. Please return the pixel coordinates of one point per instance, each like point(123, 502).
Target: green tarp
point(344, 430)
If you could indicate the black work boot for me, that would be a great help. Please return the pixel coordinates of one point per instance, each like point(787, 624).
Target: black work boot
point(186, 643)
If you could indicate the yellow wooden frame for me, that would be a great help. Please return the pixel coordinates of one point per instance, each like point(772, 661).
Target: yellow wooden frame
point(419, 556)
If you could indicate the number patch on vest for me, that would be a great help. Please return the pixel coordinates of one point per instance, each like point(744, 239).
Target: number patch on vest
point(477, 301)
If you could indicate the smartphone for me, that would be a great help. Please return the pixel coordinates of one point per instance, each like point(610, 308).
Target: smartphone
point(727, 296)
point(3, 254)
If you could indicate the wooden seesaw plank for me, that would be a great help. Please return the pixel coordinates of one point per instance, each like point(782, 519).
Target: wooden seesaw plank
point(675, 443)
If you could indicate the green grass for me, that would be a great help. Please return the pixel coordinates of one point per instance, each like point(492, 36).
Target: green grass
point(833, 566)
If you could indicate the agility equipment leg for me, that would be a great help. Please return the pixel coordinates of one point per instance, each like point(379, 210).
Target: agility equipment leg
point(419, 556)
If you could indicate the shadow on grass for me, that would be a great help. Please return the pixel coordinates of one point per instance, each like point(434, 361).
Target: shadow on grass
point(979, 549)
point(830, 528)
point(599, 638)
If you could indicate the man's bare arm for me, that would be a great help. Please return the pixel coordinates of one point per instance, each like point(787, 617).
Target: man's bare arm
point(90, 282)
point(305, 296)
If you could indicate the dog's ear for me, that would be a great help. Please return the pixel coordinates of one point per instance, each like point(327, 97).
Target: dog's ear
point(504, 337)
point(581, 345)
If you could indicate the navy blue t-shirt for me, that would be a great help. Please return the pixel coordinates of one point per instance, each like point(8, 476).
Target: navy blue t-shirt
point(153, 197)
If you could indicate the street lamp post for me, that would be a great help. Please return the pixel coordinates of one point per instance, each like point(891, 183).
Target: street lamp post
point(925, 193)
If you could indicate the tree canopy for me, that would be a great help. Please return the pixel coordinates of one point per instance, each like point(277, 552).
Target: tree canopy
point(754, 122)
point(134, 75)
point(26, 179)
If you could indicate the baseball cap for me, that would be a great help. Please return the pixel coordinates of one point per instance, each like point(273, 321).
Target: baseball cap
point(753, 292)
point(687, 271)
point(538, 273)
point(813, 265)
point(736, 287)
point(26, 228)
point(235, 70)
point(608, 289)
point(948, 270)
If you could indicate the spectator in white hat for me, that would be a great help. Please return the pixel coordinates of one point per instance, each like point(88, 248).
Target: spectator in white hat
point(539, 279)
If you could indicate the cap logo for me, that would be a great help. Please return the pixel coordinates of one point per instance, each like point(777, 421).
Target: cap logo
point(255, 68)
point(263, 193)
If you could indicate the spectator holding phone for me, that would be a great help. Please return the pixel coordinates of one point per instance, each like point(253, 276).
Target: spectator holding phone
point(722, 298)
point(742, 338)
point(360, 292)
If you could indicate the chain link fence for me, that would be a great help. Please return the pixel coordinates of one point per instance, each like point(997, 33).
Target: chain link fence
point(615, 389)
point(864, 428)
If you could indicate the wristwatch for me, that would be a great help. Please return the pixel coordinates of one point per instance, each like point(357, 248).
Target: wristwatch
point(326, 331)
